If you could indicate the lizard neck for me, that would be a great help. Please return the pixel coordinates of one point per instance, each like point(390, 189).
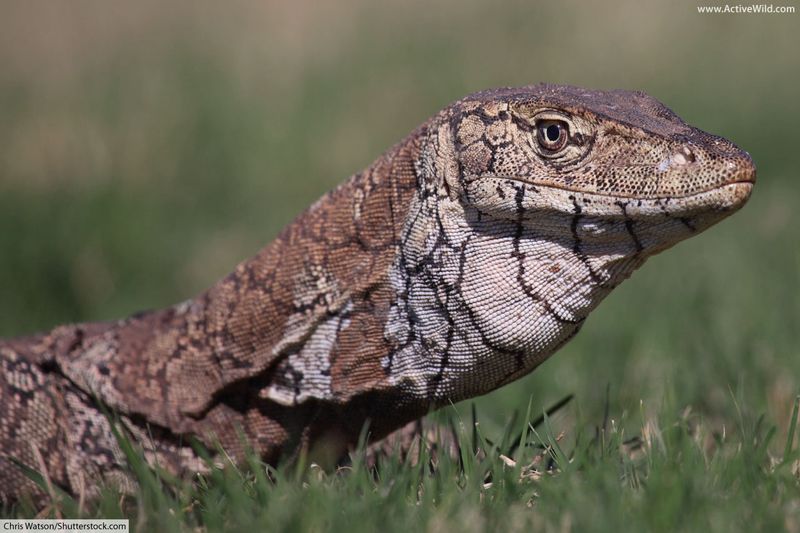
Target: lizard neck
point(303, 319)
point(492, 299)
point(310, 307)
point(481, 300)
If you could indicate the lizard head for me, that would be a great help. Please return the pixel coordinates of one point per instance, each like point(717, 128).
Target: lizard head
point(532, 205)
point(623, 163)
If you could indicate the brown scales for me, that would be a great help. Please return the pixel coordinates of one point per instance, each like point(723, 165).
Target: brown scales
point(457, 262)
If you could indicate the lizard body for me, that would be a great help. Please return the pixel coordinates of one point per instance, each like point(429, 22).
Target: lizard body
point(457, 262)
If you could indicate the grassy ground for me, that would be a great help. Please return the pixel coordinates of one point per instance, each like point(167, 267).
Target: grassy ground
point(145, 150)
point(673, 474)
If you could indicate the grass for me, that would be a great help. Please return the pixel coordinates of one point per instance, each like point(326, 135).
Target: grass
point(146, 149)
point(521, 478)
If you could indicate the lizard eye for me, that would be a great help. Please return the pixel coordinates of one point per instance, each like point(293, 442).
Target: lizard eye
point(552, 134)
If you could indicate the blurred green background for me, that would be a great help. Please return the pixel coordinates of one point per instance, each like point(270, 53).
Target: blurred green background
point(147, 147)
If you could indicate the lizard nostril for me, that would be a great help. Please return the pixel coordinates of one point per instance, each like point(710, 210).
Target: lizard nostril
point(683, 156)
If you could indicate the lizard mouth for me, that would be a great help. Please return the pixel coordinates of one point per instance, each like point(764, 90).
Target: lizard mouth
point(548, 197)
point(747, 181)
point(729, 193)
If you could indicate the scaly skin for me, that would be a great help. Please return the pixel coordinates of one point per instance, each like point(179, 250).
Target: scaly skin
point(456, 263)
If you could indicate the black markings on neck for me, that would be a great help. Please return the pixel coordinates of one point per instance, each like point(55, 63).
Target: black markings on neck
point(444, 306)
point(576, 246)
point(518, 230)
point(402, 300)
point(520, 257)
point(629, 226)
point(686, 221)
point(445, 359)
point(518, 355)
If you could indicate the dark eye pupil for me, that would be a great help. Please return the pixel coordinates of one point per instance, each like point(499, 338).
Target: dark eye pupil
point(552, 132)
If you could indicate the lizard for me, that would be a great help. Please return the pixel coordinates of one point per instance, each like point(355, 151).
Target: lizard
point(457, 262)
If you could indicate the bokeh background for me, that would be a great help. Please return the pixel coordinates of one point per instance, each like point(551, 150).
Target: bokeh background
point(147, 147)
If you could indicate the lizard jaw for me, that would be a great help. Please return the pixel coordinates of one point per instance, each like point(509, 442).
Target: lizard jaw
point(522, 196)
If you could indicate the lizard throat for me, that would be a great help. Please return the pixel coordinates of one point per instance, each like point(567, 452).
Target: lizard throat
point(478, 305)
